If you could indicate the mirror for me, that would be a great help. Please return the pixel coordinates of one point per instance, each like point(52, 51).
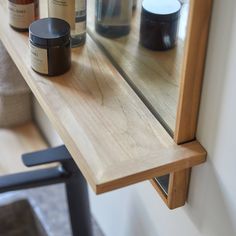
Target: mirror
point(154, 75)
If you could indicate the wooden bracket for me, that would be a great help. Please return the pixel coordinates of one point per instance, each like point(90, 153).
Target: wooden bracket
point(173, 188)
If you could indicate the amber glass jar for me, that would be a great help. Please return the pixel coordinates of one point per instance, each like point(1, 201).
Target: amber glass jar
point(50, 46)
point(22, 13)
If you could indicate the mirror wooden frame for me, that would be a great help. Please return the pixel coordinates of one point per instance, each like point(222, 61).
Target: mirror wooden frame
point(189, 96)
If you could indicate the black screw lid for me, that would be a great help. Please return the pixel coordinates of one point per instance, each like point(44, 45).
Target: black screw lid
point(161, 10)
point(49, 32)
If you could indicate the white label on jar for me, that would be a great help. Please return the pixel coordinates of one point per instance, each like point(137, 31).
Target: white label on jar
point(21, 16)
point(63, 9)
point(39, 59)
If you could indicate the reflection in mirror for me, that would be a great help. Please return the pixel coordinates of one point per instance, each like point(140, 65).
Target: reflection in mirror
point(155, 75)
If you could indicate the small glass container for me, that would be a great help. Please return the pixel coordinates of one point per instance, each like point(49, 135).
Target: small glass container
point(50, 46)
point(22, 13)
point(74, 12)
point(159, 24)
point(113, 17)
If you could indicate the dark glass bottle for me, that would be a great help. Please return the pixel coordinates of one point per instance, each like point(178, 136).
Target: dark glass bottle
point(113, 17)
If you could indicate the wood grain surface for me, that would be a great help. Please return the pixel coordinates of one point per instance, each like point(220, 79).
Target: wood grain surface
point(193, 71)
point(155, 75)
point(190, 92)
point(110, 133)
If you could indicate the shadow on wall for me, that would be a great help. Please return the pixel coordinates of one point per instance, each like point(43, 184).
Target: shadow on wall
point(139, 222)
point(208, 206)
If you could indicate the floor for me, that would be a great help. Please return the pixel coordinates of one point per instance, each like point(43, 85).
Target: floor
point(53, 216)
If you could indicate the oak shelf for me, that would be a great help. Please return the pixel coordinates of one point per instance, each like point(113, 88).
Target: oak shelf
point(112, 136)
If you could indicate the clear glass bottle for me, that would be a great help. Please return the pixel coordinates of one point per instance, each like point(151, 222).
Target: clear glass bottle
point(113, 17)
point(74, 12)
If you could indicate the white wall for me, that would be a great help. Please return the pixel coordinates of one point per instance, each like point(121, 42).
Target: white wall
point(211, 207)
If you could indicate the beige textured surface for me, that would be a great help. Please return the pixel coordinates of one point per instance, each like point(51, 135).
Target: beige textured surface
point(19, 219)
point(11, 81)
point(16, 141)
point(15, 109)
point(15, 95)
point(44, 200)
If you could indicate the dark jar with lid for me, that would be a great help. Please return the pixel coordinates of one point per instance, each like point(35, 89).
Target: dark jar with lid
point(50, 46)
point(159, 24)
point(22, 13)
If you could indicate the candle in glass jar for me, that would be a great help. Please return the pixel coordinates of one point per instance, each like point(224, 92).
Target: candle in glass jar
point(22, 13)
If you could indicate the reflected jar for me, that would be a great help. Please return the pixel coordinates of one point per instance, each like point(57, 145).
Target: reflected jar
point(22, 13)
point(113, 17)
point(159, 24)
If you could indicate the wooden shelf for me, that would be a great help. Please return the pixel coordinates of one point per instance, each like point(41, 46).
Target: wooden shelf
point(25, 138)
point(110, 133)
point(153, 74)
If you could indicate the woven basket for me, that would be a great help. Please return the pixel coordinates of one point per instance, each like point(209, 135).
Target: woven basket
point(15, 96)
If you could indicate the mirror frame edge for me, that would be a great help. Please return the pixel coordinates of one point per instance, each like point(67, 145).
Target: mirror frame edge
point(191, 80)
